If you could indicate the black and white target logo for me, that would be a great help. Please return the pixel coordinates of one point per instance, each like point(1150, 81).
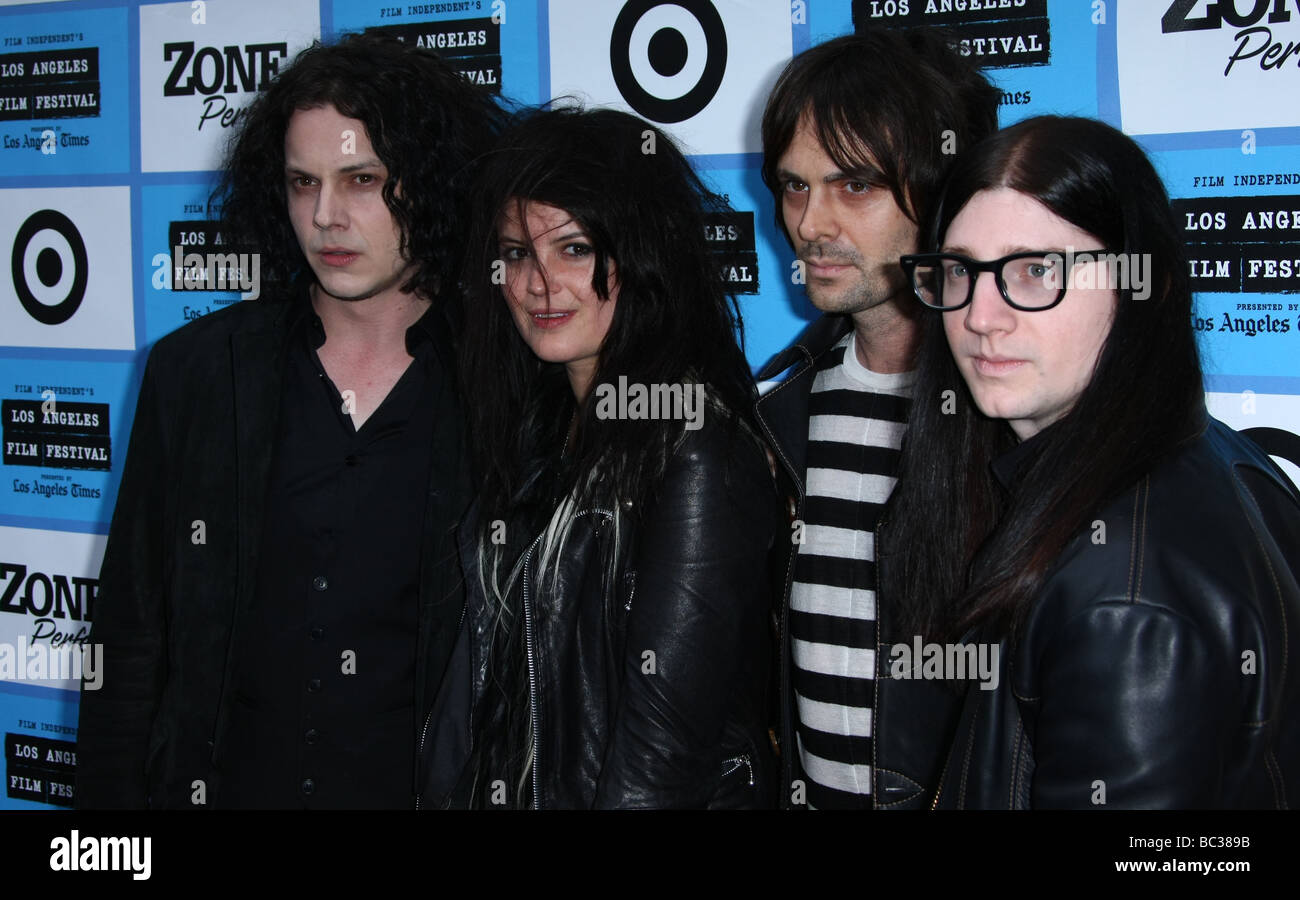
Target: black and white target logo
point(668, 58)
point(699, 68)
point(69, 280)
point(49, 267)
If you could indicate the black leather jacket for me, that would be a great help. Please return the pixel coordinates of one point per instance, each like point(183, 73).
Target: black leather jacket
point(1154, 669)
point(649, 691)
point(1171, 641)
point(907, 762)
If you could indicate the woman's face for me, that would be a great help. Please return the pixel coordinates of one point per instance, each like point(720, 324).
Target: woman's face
point(549, 262)
point(1026, 367)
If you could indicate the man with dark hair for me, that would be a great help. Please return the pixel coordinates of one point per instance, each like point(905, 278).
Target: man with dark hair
point(279, 592)
point(857, 137)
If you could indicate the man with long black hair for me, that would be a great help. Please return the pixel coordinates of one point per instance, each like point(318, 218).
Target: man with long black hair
point(278, 595)
point(857, 137)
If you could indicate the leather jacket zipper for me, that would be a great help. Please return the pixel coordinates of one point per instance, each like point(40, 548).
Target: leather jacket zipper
point(731, 765)
point(534, 712)
point(532, 661)
point(532, 671)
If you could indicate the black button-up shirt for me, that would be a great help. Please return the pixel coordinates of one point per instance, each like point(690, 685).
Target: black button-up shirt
point(323, 713)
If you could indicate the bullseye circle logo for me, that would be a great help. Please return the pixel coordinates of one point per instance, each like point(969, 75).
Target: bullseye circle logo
point(668, 57)
point(49, 267)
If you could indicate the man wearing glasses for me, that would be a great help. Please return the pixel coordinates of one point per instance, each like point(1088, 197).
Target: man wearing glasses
point(857, 137)
point(1032, 280)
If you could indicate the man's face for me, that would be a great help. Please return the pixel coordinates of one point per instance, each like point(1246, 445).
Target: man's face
point(1026, 367)
point(335, 191)
point(848, 233)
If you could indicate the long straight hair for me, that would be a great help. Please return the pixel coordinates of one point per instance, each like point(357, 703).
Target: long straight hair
point(962, 549)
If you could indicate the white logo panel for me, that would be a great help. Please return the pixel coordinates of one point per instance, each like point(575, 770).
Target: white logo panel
point(1201, 65)
point(697, 68)
point(65, 278)
point(48, 583)
point(198, 73)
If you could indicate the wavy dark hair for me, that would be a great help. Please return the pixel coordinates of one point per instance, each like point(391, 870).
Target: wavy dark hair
point(427, 124)
point(963, 551)
point(675, 320)
point(644, 210)
point(885, 104)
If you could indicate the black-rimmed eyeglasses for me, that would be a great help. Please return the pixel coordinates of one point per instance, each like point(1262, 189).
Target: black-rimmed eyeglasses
point(1029, 281)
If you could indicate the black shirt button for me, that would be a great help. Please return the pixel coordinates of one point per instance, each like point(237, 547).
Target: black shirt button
point(313, 686)
point(352, 459)
point(308, 786)
point(317, 633)
point(320, 583)
point(311, 735)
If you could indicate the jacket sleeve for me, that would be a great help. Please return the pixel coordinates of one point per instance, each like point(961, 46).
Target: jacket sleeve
point(1137, 710)
point(129, 624)
point(700, 599)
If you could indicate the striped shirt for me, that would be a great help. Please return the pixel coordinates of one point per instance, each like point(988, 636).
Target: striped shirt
point(855, 427)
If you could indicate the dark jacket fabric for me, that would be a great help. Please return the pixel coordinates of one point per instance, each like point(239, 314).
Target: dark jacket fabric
point(647, 688)
point(906, 762)
point(1155, 669)
point(180, 566)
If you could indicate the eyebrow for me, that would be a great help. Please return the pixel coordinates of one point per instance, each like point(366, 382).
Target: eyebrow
point(569, 236)
point(559, 239)
point(785, 174)
point(364, 164)
point(867, 176)
point(965, 251)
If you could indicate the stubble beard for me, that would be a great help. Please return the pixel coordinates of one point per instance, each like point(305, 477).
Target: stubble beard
point(861, 294)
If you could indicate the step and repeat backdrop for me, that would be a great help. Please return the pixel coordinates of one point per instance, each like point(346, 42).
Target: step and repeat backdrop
point(113, 116)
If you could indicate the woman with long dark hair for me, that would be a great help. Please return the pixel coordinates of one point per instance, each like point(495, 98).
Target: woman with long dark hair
point(616, 638)
point(1068, 511)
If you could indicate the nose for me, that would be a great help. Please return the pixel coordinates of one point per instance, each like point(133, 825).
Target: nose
point(988, 311)
point(536, 283)
point(330, 209)
point(816, 221)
